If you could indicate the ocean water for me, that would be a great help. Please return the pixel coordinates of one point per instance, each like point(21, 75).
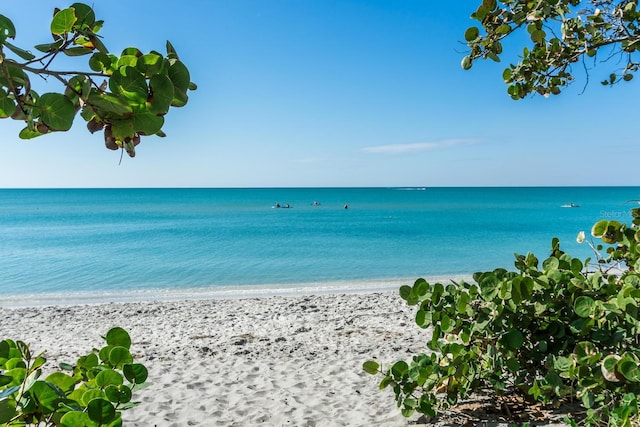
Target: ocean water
point(98, 245)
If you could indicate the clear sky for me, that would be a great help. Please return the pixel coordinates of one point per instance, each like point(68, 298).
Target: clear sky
point(298, 93)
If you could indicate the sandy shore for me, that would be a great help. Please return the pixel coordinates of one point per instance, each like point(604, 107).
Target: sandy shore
point(277, 361)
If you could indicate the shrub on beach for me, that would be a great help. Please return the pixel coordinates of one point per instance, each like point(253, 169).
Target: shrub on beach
point(93, 392)
point(552, 332)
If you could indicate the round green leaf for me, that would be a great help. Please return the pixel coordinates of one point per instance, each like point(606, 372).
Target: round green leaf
point(118, 356)
point(118, 394)
point(7, 409)
point(89, 361)
point(599, 228)
point(446, 324)
point(150, 64)
point(550, 264)
point(405, 292)
point(129, 83)
point(608, 368)
point(118, 336)
point(92, 394)
point(514, 339)
point(503, 29)
point(45, 395)
point(584, 306)
point(7, 29)
point(76, 419)
point(179, 75)
point(56, 111)
point(400, 369)
point(109, 377)
point(629, 369)
point(421, 287)
point(135, 373)
point(371, 367)
point(63, 381)
point(63, 21)
point(147, 123)
point(471, 34)
point(466, 63)
point(101, 411)
point(7, 105)
point(84, 15)
point(513, 365)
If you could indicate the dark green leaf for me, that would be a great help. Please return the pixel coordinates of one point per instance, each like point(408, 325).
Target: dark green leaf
point(118, 394)
point(84, 14)
point(27, 56)
point(147, 123)
point(7, 30)
point(136, 373)
point(161, 97)
point(77, 51)
point(46, 396)
point(179, 75)
point(7, 105)
point(56, 111)
point(101, 411)
point(514, 339)
point(471, 34)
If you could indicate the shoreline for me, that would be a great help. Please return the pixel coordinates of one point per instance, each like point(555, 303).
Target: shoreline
point(213, 292)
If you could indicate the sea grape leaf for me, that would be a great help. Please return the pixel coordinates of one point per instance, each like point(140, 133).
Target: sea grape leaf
point(147, 123)
point(150, 64)
point(75, 419)
point(56, 111)
point(27, 56)
point(63, 21)
point(118, 356)
point(7, 105)
point(584, 306)
point(101, 411)
point(46, 395)
point(371, 367)
point(108, 377)
point(85, 15)
point(7, 29)
point(135, 373)
point(129, 83)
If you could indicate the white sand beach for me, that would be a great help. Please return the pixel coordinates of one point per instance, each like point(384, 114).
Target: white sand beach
point(275, 361)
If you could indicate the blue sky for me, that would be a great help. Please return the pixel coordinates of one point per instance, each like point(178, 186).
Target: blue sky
point(297, 93)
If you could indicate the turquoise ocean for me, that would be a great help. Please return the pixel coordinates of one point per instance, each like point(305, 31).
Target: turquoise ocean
point(99, 245)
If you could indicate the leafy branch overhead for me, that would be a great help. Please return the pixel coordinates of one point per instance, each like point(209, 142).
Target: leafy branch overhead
point(562, 33)
point(125, 96)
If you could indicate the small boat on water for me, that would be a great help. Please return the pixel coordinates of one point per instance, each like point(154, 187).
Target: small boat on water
point(569, 205)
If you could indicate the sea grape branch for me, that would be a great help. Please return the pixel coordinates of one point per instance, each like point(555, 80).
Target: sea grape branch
point(561, 33)
point(125, 96)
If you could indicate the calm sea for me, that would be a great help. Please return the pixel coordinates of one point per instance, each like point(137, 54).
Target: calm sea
point(97, 245)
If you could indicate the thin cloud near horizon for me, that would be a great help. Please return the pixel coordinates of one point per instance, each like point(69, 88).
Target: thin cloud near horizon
point(417, 146)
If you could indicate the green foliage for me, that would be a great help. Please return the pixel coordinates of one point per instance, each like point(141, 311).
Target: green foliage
point(91, 393)
point(551, 331)
point(561, 33)
point(125, 96)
